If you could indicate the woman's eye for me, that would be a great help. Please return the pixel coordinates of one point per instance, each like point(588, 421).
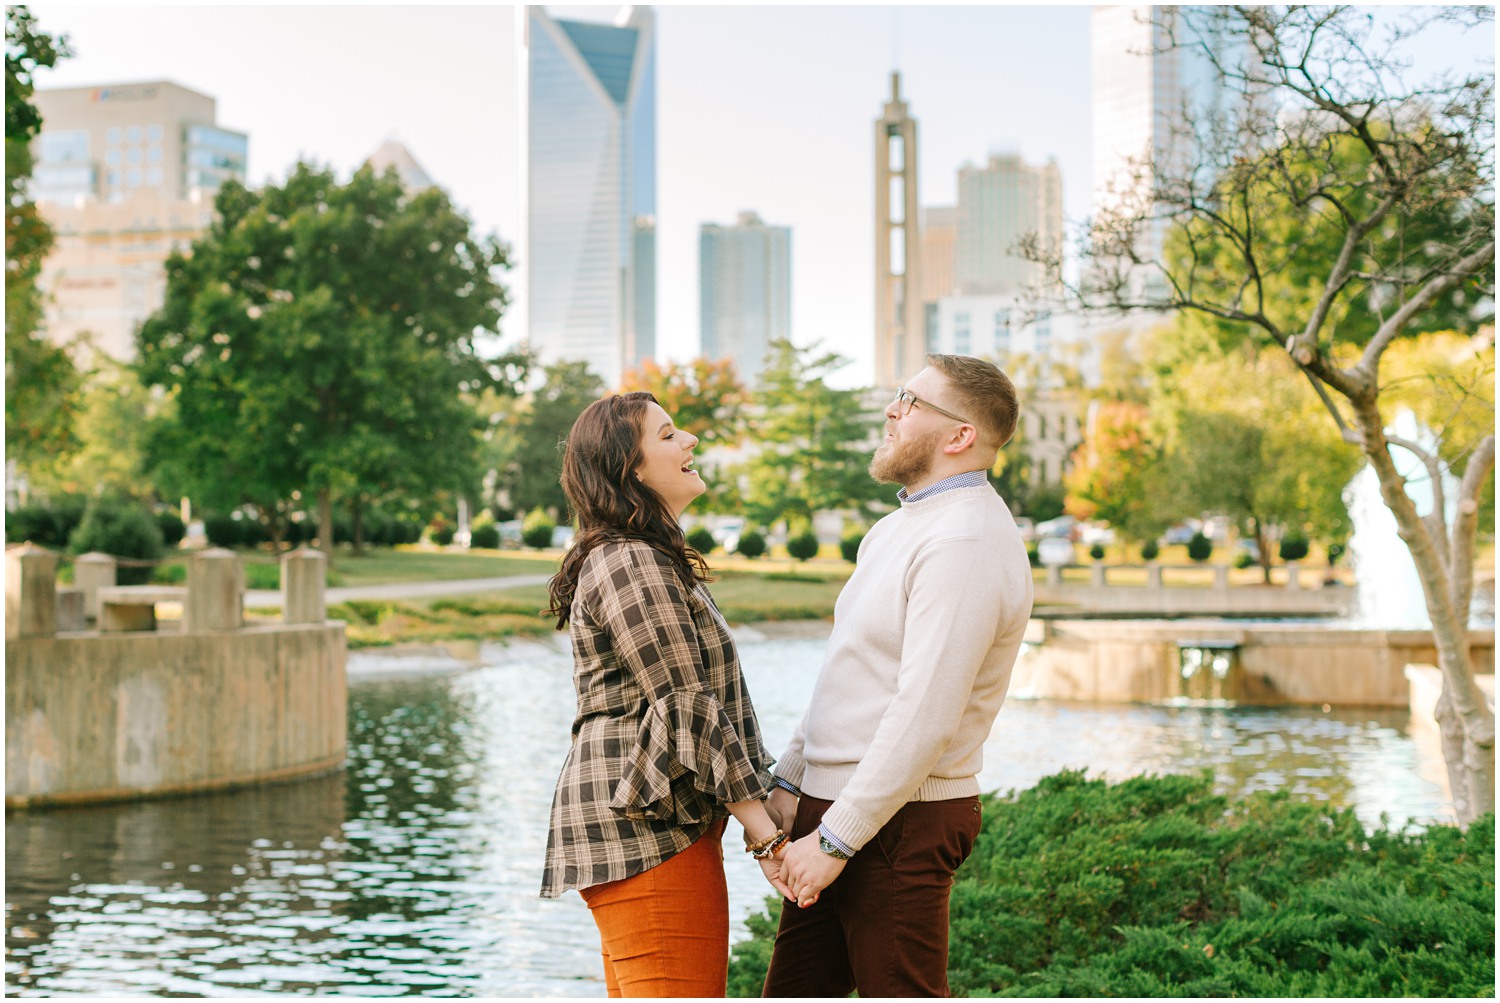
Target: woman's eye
point(671, 435)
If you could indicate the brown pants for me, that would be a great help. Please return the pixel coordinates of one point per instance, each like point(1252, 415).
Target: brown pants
point(665, 931)
point(882, 926)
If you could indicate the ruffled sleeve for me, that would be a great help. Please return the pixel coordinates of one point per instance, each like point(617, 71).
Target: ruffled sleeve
point(647, 613)
point(685, 737)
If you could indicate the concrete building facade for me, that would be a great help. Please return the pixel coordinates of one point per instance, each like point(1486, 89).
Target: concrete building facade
point(998, 204)
point(125, 174)
point(589, 231)
point(900, 318)
point(745, 291)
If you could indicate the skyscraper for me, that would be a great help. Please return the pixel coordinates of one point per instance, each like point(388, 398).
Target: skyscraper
point(900, 319)
point(998, 204)
point(1147, 94)
point(590, 189)
point(125, 174)
point(745, 291)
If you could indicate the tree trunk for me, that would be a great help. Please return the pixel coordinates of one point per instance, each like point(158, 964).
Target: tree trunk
point(1465, 721)
point(358, 507)
point(325, 520)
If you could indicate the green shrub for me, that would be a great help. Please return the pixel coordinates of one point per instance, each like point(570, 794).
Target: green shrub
point(32, 523)
point(1150, 550)
point(536, 529)
point(1157, 886)
point(751, 545)
point(702, 540)
point(1033, 556)
point(1335, 551)
point(1097, 551)
point(253, 532)
point(1244, 560)
point(173, 529)
point(1200, 548)
point(485, 536)
point(1293, 547)
point(122, 528)
point(802, 545)
point(850, 541)
point(222, 531)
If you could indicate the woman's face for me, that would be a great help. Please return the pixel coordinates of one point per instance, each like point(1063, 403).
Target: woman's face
point(666, 465)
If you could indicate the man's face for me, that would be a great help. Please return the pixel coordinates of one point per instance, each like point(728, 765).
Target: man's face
point(913, 441)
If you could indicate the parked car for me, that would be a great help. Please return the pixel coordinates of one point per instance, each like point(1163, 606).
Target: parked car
point(1248, 545)
point(1027, 528)
point(1064, 527)
point(727, 534)
point(562, 537)
point(1179, 534)
point(1054, 550)
point(1100, 534)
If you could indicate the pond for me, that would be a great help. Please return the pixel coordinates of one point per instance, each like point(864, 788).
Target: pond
point(415, 871)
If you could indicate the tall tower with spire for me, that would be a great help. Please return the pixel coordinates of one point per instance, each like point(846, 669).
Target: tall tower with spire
point(900, 319)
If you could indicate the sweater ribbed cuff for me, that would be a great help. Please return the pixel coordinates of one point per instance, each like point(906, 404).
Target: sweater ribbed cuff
point(790, 768)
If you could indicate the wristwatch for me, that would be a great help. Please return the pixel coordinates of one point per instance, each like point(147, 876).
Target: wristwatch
point(827, 846)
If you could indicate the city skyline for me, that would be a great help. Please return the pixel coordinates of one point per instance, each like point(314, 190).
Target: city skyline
point(738, 90)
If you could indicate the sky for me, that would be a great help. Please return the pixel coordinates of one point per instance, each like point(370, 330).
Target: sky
point(761, 108)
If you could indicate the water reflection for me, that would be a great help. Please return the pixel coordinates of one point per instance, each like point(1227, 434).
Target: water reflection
point(415, 871)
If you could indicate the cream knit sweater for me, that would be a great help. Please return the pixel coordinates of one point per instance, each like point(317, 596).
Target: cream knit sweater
point(924, 638)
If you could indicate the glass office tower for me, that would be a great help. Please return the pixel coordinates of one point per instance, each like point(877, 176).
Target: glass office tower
point(590, 240)
point(745, 291)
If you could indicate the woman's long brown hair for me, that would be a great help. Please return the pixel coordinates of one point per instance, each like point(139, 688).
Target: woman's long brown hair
point(610, 502)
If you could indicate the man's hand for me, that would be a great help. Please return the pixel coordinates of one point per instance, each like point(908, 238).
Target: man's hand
point(807, 870)
point(782, 807)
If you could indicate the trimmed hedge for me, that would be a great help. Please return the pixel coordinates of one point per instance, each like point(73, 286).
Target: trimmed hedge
point(124, 529)
point(802, 546)
point(751, 545)
point(1157, 886)
point(702, 540)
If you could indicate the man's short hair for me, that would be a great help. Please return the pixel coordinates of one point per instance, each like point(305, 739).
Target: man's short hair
point(982, 392)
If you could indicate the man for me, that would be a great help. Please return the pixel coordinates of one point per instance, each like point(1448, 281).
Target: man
point(881, 775)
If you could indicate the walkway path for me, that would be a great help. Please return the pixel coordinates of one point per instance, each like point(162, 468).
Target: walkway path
point(404, 590)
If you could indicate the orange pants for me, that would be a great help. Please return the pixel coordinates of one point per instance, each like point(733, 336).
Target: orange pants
point(665, 931)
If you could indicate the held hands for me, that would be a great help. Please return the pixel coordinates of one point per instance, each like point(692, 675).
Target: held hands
point(782, 807)
point(807, 870)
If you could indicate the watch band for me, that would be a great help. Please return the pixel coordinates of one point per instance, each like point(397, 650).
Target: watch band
point(827, 846)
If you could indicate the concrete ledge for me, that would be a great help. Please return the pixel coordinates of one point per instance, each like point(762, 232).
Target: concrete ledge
point(1426, 685)
point(1276, 663)
point(94, 717)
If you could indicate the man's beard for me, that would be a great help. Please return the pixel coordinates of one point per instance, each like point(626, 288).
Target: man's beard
point(906, 462)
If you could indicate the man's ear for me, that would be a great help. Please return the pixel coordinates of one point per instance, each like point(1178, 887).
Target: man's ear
point(966, 437)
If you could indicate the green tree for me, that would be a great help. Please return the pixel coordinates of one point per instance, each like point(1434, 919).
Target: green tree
point(320, 340)
point(815, 441)
point(1223, 455)
point(533, 439)
point(1116, 474)
point(1330, 209)
point(111, 455)
point(42, 384)
point(704, 396)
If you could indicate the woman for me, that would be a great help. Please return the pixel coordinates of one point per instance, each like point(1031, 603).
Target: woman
point(665, 744)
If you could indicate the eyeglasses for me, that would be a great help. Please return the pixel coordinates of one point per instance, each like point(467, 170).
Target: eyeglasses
point(905, 399)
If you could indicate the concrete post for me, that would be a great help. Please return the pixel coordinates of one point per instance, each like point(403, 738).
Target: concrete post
point(30, 592)
point(91, 572)
point(1221, 576)
point(302, 577)
point(1153, 575)
point(1054, 574)
point(70, 609)
point(216, 592)
point(1292, 569)
point(1096, 575)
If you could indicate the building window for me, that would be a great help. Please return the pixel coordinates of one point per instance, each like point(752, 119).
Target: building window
point(67, 146)
point(133, 155)
point(133, 177)
point(133, 134)
point(153, 155)
point(961, 341)
point(112, 158)
point(112, 135)
point(153, 133)
point(153, 176)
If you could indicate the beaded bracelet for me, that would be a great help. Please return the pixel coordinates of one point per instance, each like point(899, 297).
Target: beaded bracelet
point(769, 852)
point(761, 844)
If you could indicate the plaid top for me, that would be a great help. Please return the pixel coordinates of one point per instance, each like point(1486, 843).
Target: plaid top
point(665, 733)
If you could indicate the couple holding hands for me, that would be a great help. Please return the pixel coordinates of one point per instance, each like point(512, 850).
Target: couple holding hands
point(874, 803)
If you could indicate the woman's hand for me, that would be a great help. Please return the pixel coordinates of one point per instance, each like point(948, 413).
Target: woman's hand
point(771, 868)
